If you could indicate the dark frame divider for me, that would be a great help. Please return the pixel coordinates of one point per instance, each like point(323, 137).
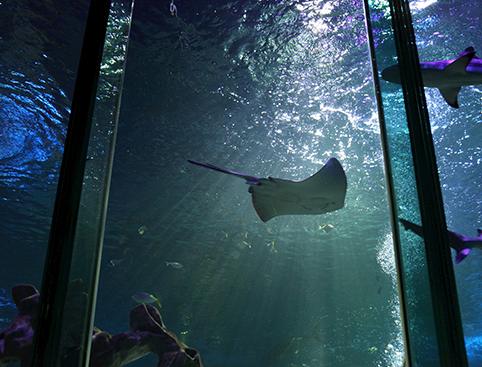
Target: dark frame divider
point(64, 220)
point(446, 310)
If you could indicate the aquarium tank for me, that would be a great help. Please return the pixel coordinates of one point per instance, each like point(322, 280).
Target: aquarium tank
point(252, 183)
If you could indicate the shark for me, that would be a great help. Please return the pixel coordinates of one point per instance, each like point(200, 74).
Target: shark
point(449, 76)
point(462, 244)
point(320, 193)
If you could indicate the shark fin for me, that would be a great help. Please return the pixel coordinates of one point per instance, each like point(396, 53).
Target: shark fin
point(450, 95)
point(460, 63)
point(462, 254)
point(468, 50)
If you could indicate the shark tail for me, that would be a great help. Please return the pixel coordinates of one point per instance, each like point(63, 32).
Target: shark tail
point(462, 254)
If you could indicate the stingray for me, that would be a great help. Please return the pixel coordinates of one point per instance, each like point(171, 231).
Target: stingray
point(321, 193)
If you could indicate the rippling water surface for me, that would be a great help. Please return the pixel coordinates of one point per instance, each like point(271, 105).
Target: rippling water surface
point(39, 48)
point(271, 88)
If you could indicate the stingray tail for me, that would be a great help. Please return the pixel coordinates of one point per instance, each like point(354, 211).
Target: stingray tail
point(250, 180)
point(462, 254)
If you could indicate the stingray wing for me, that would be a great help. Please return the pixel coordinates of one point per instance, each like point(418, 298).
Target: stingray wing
point(321, 193)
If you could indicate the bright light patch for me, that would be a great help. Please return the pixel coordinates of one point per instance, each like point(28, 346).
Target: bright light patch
point(327, 8)
point(419, 5)
point(394, 350)
point(318, 25)
point(474, 346)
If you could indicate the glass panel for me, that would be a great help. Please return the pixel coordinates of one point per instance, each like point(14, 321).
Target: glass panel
point(422, 337)
point(421, 333)
point(270, 89)
point(39, 51)
point(444, 29)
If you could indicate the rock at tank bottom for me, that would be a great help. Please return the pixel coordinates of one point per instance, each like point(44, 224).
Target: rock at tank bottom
point(147, 334)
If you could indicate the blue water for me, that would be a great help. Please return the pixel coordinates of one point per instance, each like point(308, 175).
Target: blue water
point(39, 49)
point(8, 309)
point(269, 88)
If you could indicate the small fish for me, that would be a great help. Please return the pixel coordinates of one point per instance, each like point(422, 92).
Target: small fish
point(146, 298)
point(142, 229)
point(173, 9)
point(272, 246)
point(115, 262)
point(372, 349)
point(326, 227)
point(174, 265)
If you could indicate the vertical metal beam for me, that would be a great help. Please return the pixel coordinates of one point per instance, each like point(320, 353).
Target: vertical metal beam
point(390, 186)
point(64, 220)
point(451, 346)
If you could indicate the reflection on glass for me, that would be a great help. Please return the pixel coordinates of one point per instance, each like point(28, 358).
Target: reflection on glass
point(268, 89)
